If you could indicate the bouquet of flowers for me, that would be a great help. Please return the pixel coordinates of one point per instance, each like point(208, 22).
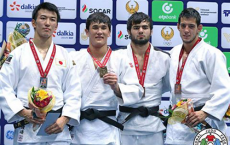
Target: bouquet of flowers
point(15, 39)
point(179, 112)
point(41, 100)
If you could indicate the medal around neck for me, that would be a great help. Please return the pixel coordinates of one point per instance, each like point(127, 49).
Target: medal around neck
point(103, 71)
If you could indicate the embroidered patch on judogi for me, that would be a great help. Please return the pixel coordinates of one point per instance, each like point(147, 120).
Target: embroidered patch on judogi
point(60, 62)
point(8, 59)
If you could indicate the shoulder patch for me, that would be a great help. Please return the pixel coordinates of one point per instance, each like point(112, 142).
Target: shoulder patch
point(74, 62)
point(8, 59)
point(158, 49)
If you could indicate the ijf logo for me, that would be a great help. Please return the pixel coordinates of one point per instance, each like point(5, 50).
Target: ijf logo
point(10, 134)
point(84, 8)
point(210, 137)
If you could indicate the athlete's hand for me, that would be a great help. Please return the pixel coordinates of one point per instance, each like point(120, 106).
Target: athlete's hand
point(196, 117)
point(111, 79)
point(58, 126)
point(28, 115)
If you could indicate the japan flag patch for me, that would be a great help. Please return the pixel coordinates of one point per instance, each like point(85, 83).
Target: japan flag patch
point(60, 62)
point(131, 65)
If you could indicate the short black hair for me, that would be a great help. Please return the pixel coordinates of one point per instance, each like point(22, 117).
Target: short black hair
point(98, 17)
point(47, 6)
point(137, 18)
point(190, 13)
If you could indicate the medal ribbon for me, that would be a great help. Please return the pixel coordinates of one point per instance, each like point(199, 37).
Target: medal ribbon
point(105, 59)
point(141, 76)
point(42, 73)
point(180, 70)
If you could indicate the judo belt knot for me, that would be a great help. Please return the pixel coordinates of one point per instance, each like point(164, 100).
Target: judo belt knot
point(91, 114)
point(142, 111)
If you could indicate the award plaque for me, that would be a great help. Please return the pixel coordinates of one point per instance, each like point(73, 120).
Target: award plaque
point(103, 71)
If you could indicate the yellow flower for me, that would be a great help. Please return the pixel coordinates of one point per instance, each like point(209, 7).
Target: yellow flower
point(228, 111)
point(42, 94)
point(179, 103)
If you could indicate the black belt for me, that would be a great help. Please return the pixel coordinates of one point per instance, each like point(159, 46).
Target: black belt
point(142, 111)
point(91, 114)
point(24, 122)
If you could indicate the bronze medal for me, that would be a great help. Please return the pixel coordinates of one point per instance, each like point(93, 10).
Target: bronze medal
point(103, 71)
point(177, 89)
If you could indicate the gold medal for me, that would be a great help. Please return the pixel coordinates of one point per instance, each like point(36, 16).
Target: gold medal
point(103, 71)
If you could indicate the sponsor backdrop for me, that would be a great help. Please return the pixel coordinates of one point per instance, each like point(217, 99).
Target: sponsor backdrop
point(70, 33)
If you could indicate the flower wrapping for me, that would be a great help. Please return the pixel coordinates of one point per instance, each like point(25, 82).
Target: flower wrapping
point(180, 111)
point(227, 114)
point(15, 39)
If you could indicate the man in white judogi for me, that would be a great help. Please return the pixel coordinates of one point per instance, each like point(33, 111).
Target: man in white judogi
point(151, 65)
point(106, 79)
point(21, 72)
point(197, 71)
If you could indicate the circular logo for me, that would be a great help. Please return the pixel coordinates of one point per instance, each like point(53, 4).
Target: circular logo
point(23, 28)
point(210, 137)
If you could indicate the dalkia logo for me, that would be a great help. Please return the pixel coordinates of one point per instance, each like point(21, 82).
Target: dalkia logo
point(120, 35)
point(10, 134)
point(54, 34)
point(15, 6)
point(132, 9)
point(210, 137)
point(167, 33)
point(84, 8)
point(64, 33)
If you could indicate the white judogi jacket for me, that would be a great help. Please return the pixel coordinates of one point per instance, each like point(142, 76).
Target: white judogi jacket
point(156, 83)
point(100, 96)
point(21, 74)
point(206, 81)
